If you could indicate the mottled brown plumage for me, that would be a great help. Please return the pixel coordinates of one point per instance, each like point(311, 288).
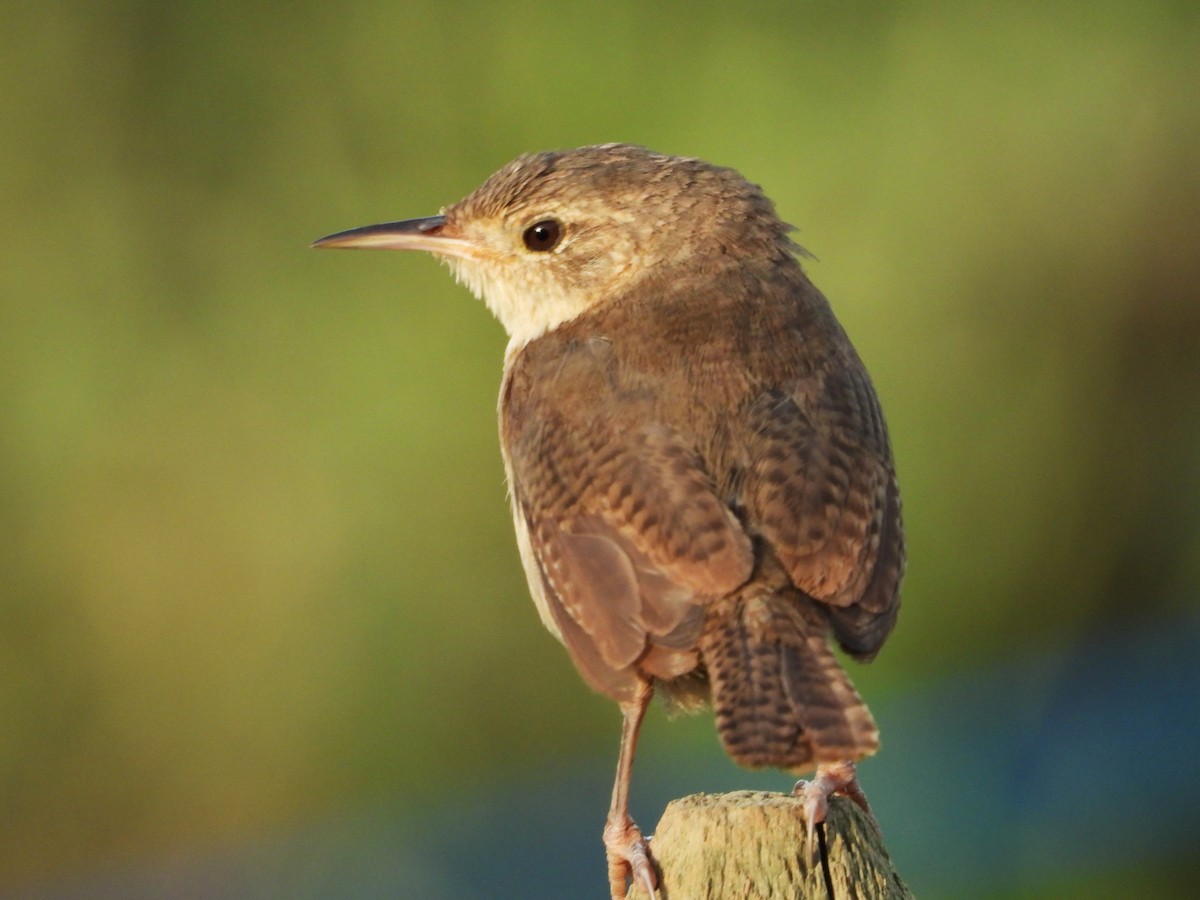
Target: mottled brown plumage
point(701, 480)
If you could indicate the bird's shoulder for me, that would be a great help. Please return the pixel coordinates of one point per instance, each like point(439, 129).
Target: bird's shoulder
point(679, 351)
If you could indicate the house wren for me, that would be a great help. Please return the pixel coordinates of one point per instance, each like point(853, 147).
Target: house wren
point(700, 474)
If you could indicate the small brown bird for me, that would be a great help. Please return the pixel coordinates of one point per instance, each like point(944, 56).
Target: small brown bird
point(700, 473)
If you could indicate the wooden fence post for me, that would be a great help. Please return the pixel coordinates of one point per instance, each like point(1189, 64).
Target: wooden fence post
point(750, 845)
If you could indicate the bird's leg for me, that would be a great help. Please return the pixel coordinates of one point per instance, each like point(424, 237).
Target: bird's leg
point(627, 851)
point(831, 778)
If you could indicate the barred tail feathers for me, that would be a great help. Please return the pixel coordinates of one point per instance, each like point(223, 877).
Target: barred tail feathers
point(781, 697)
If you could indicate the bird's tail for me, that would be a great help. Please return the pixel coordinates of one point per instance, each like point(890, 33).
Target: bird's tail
point(780, 696)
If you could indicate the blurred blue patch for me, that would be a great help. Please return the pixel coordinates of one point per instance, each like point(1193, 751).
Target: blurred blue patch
point(1037, 772)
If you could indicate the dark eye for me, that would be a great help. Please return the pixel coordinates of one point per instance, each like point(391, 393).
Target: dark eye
point(542, 236)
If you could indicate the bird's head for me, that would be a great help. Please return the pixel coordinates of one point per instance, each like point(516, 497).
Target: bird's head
point(552, 235)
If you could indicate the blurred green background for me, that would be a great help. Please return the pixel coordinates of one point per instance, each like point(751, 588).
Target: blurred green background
point(263, 630)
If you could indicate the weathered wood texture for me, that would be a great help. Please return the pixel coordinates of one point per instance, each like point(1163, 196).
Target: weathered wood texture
point(750, 845)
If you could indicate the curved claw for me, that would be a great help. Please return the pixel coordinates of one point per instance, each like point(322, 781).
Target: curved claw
point(643, 872)
point(628, 858)
point(816, 808)
point(838, 778)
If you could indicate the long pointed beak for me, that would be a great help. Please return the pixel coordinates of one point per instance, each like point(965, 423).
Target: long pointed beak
point(428, 234)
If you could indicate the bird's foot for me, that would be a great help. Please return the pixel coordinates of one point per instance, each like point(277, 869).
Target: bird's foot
point(836, 778)
point(628, 858)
